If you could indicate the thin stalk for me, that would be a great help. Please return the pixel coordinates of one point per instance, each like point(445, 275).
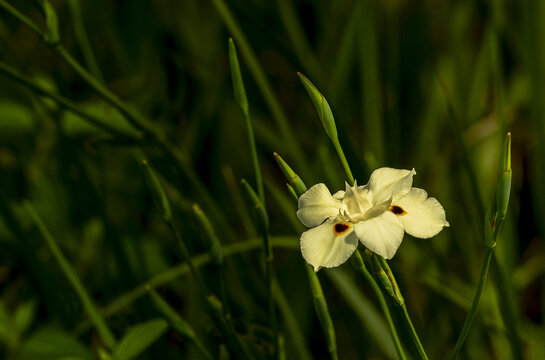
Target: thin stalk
point(261, 81)
point(360, 265)
point(473, 310)
point(105, 333)
point(346, 167)
point(320, 304)
point(383, 264)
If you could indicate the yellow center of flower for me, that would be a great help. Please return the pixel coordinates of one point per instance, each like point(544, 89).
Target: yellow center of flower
point(340, 228)
point(397, 210)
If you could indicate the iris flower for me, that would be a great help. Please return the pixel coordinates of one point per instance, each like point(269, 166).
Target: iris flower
point(377, 215)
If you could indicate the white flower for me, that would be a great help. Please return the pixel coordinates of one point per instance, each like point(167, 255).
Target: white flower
point(377, 214)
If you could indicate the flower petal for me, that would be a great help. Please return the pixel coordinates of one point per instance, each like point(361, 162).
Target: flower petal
point(424, 216)
point(387, 183)
point(339, 195)
point(382, 234)
point(329, 244)
point(316, 205)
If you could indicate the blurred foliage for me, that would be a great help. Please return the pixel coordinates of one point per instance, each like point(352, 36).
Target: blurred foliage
point(424, 84)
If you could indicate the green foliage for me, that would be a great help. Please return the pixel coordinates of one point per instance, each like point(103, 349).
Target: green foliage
point(89, 89)
point(139, 338)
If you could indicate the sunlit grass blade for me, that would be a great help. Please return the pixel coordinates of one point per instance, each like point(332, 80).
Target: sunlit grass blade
point(181, 326)
point(139, 338)
point(94, 315)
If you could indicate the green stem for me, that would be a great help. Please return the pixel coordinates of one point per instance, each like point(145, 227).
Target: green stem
point(95, 317)
point(322, 312)
point(472, 312)
point(357, 261)
point(398, 297)
point(346, 167)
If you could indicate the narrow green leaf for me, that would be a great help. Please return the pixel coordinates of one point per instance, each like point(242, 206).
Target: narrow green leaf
point(322, 107)
point(157, 192)
point(139, 338)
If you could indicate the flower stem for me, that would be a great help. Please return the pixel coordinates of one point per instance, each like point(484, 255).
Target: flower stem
point(472, 312)
point(346, 167)
point(358, 263)
point(322, 311)
point(399, 301)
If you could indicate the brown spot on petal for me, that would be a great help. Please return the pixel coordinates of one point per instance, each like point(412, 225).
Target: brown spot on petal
point(397, 210)
point(340, 228)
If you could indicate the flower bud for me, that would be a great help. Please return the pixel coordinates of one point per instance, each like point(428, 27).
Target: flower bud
point(322, 107)
point(295, 181)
